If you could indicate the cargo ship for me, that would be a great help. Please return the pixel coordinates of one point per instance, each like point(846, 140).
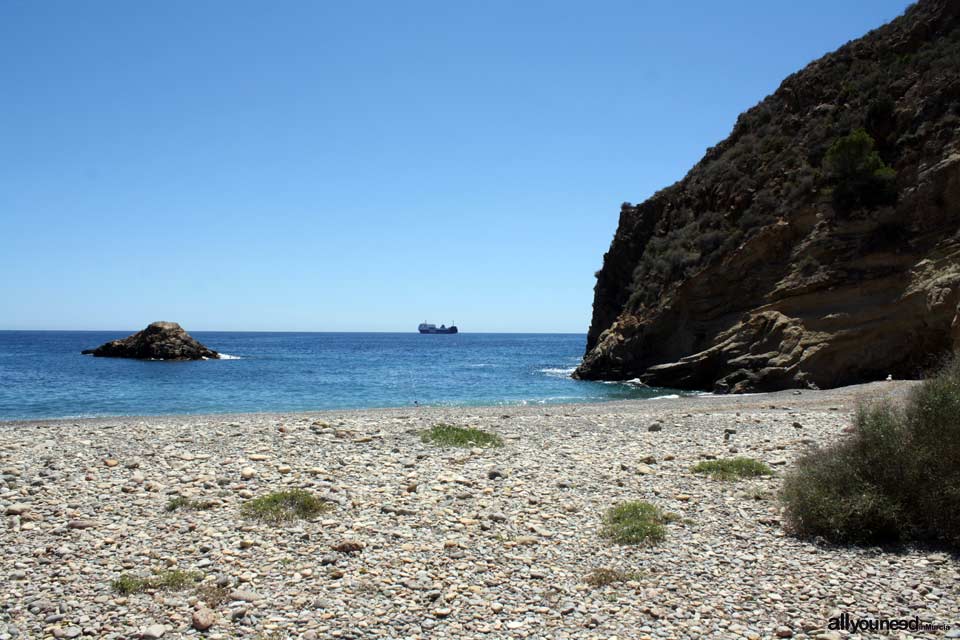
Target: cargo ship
point(432, 328)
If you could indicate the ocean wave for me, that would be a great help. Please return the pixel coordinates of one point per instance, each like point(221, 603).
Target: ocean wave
point(225, 356)
point(634, 382)
point(480, 365)
point(671, 396)
point(545, 401)
point(558, 372)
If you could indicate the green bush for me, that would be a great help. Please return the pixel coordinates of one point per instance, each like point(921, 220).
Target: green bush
point(897, 478)
point(635, 523)
point(858, 174)
point(604, 576)
point(285, 505)
point(447, 435)
point(183, 502)
point(732, 468)
point(171, 580)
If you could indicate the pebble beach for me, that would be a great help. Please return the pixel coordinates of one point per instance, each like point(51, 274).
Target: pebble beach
point(424, 541)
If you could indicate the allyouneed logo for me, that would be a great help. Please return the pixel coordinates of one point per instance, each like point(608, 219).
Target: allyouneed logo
point(847, 623)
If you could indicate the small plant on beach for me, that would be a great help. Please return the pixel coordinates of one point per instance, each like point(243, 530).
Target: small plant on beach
point(635, 522)
point(183, 502)
point(758, 494)
point(604, 576)
point(895, 478)
point(285, 505)
point(171, 580)
point(213, 595)
point(732, 468)
point(447, 435)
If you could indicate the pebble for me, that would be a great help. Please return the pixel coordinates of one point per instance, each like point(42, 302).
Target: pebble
point(154, 631)
point(203, 619)
point(244, 595)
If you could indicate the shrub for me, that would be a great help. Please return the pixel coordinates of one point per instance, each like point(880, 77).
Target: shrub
point(183, 502)
point(732, 468)
point(604, 576)
point(635, 523)
point(447, 435)
point(881, 118)
point(858, 174)
point(174, 580)
point(213, 595)
point(897, 477)
point(284, 505)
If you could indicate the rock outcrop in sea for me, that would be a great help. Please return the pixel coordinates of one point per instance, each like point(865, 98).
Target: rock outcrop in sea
point(817, 245)
point(159, 341)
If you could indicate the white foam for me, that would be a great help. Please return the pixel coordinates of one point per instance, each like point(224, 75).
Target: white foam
point(480, 365)
point(224, 356)
point(635, 382)
point(672, 396)
point(557, 372)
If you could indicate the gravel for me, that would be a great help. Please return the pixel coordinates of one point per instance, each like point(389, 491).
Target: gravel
point(432, 542)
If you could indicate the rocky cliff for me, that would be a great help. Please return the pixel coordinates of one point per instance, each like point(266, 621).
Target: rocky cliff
point(817, 245)
point(159, 341)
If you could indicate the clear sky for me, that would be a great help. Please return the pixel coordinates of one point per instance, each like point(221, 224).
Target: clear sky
point(331, 166)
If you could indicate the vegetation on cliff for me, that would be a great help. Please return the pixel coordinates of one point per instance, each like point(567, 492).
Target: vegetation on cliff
point(765, 266)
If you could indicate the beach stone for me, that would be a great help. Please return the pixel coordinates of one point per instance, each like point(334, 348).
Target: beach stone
point(656, 426)
point(154, 631)
point(248, 473)
point(203, 619)
point(348, 546)
point(17, 509)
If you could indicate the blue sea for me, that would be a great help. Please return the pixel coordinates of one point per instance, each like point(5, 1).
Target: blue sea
point(43, 375)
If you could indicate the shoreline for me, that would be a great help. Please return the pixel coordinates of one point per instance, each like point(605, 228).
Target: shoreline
point(798, 396)
point(424, 541)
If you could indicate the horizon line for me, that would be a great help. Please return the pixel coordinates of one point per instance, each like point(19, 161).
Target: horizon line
point(306, 331)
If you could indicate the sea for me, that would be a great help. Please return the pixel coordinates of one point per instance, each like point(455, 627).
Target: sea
point(43, 375)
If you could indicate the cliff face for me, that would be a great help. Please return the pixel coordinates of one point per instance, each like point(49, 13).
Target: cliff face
point(817, 245)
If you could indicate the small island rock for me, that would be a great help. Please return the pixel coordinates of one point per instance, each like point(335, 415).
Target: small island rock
point(159, 341)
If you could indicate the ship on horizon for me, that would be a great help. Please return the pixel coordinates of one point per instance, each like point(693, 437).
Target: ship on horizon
point(432, 328)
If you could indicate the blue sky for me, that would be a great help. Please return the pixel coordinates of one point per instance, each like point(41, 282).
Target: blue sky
point(361, 166)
